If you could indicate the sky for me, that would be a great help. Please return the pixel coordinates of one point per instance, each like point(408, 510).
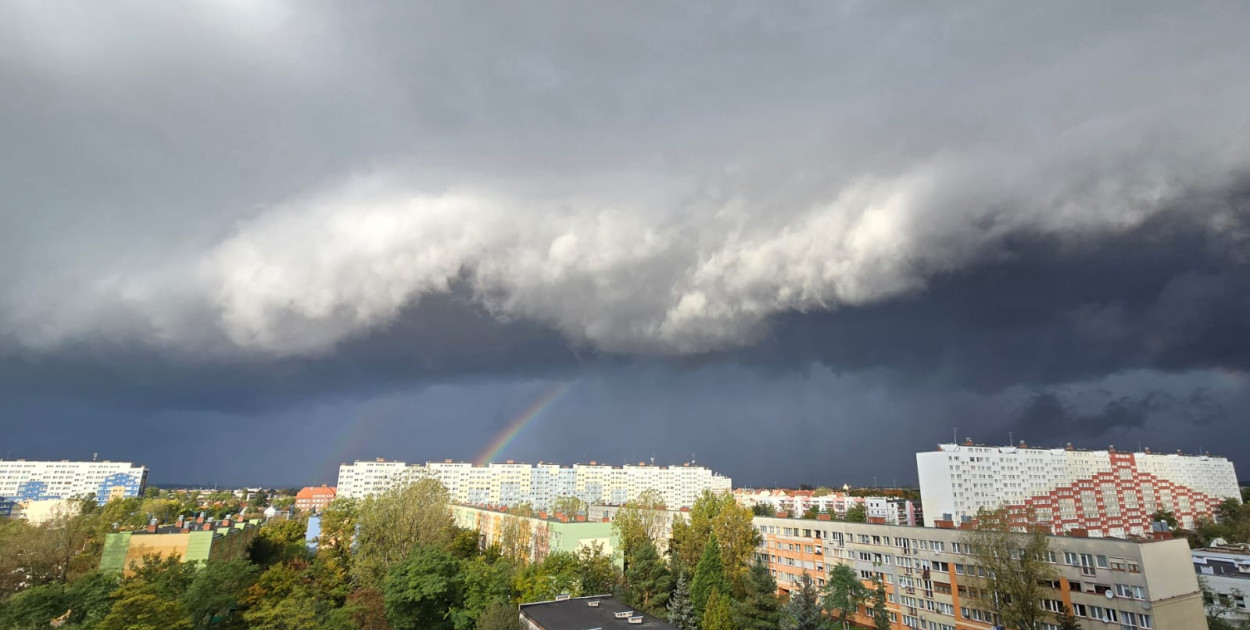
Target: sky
point(243, 242)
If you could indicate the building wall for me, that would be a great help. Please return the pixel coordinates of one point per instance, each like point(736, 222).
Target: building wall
point(123, 549)
point(22, 480)
point(545, 535)
point(511, 483)
point(1108, 493)
point(925, 570)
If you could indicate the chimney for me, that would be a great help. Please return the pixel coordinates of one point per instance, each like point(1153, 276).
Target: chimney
point(1111, 448)
point(1068, 447)
point(152, 526)
point(968, 442)
point(1023, 445)
point(225, 522)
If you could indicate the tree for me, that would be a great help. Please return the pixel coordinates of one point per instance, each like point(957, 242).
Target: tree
point(716, 513)
point(421, 591)
point(639, 521)
point(216, 590)
point(1012, 568)
point(857, 513)
point(709, 576)
point(880, 616)
point(486, 580)
point(500, 615)
point(1228, 510)
point(719, 613)
point(647, 579)
point(844, 593)
point(558, 573)
point(571, 506)
point(368, 609)
point(142, 605)
point(279, 540)
point(758, 608)
point(516, 539)
point(1068, 620)
point(802, 612)
point(680, 609)
point(597, 574)
point(763, 509)
point(394, 523)
point(812, 512)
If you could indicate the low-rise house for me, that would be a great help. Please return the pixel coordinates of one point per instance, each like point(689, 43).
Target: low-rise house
point(200, 540)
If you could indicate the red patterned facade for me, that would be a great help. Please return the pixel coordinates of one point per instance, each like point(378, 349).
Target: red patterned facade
point(1118, 503)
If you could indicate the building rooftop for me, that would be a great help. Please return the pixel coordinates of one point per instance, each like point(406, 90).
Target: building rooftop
point(583, 613)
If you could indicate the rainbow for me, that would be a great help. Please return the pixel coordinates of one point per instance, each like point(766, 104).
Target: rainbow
point(514, 427)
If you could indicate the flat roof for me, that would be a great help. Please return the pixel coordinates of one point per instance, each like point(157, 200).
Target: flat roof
point(577, 614)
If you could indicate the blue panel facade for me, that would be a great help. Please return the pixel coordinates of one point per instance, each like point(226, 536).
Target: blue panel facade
point(33, 490)
point(6, 507)
point(132, 484)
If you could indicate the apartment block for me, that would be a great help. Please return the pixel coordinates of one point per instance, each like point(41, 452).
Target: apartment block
point(1225, 570)
point(1102, 493)
point(22, 480)
point(540, 534)
point(511, 483)
point(931, 585)
point(796, 503)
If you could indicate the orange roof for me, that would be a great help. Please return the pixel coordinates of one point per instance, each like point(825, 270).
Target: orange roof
point(316, 491)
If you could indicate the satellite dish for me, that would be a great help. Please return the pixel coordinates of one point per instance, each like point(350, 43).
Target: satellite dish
point(1110, 595)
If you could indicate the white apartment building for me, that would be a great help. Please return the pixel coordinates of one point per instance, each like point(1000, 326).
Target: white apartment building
point(1106, 492)
point(510, 483)
point(22, 480)
point(1225, 571)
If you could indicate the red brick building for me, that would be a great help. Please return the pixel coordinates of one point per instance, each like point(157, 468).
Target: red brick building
point(314, 498)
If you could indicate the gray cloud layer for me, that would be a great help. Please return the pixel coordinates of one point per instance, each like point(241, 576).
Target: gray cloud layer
point(275, 179)
point(838, 223)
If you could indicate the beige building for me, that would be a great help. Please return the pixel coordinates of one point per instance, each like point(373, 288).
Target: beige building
point(1108, 583)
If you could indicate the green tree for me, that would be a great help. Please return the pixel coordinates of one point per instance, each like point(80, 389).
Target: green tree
point(802, 612)
point(640, 521)
point(811, 513)
point(597, 574)
point(709, 575)
point(486, 580)
point(857, 513)
point(394, 523)
point(844, 592)
point(681, 613)
point(1228, 510)
point(499, 615)
point(880, 615)
point(763, 509)
point(213, 596)
point(1015, 568)
point(647, 579)
point(421, 591)
point(295, 612)
point(279, 540)
point(558, 573)
point(716, 513)
point(719, 613)
point(143, 604)
point(759, 608)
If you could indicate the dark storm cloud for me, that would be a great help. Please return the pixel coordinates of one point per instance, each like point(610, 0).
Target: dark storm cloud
point(729, 225)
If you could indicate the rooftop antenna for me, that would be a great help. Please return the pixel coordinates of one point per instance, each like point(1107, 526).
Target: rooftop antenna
point(1011, 439)
point(955, 435)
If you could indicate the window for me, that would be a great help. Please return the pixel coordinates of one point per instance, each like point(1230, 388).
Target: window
point(1102, 562)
